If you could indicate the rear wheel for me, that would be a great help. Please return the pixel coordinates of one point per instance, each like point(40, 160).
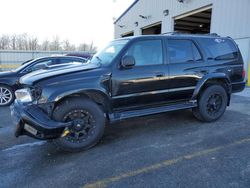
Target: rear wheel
point(88, 124)
point(212, 104)
point(6, 95)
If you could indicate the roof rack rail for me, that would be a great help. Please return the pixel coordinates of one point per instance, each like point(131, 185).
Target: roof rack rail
point(172, 33)
point(179, 33)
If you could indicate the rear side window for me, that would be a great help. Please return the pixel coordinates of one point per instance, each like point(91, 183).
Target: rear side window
point(183, 51)
point(220, 49)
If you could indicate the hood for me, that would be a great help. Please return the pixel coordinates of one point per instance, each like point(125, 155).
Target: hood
point(31, 78)
point(6, 74)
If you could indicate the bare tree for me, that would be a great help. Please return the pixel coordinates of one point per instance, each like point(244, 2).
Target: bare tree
point(86, 47)
point(4, 42)
point(45, 45)
point(26, 42)
point(22, 42)
point(82, 47)
point(13, 42)
point(55, 44)
point(33, 43)
point(68, 47)
point(92, 48)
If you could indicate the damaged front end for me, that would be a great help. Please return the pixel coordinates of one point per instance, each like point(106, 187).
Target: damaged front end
point(32, 121)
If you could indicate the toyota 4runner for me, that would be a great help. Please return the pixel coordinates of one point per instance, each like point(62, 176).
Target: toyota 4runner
point(131, 77)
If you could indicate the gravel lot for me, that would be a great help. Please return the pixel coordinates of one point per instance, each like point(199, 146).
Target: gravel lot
point(165, 150)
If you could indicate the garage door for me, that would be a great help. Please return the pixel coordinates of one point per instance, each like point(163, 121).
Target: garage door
point(195, 22)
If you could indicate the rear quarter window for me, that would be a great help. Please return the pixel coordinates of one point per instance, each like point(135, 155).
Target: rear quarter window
point(220, 48)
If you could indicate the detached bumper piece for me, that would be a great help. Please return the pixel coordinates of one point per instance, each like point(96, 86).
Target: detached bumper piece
point(32, 121)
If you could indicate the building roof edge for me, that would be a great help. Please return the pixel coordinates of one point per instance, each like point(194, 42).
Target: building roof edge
point(126, 11)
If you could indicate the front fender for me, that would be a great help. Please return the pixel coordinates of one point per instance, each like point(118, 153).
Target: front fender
point(86, 90)
point(57, 90)
point(209, 77)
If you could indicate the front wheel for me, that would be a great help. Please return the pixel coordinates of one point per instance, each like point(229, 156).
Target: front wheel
point(212, 104)
point(88, 124)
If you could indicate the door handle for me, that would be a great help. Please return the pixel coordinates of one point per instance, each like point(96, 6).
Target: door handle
point(160, 74)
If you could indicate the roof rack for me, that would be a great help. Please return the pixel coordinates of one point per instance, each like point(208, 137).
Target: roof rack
point(172, 33)
point(179, 33)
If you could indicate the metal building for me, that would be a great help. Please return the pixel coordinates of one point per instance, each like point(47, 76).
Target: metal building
point(224, 17)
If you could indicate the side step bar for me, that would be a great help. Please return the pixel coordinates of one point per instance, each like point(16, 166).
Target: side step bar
point(118, 116)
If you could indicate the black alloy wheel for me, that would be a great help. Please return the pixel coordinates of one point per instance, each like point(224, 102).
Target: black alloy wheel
point(212, 103)
point(83, 125)
point(88, 125)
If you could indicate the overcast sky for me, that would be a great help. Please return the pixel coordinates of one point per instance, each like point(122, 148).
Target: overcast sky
point(76, 20)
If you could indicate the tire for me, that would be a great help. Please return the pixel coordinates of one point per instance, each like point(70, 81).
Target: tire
point(212, 104)
point(7, 95)
point(196, 114)
point(86, 113)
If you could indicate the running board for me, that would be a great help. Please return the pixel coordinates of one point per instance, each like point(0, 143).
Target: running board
point(118, 116)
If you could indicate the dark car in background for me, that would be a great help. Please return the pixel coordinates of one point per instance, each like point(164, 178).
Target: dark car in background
point(9, 79)
point(83, 55)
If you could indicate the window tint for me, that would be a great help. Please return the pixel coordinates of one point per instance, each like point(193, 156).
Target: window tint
point(183, 51)
point(220, 49)
point(147, 52)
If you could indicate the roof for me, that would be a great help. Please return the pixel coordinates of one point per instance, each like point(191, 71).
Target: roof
point(125, 12)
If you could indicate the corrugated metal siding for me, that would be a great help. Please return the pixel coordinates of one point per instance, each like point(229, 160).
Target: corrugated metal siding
point(13, 58)
point(244, 45)
point(229, 17)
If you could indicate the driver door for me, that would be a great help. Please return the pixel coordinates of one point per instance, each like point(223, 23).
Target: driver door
point(144, 83)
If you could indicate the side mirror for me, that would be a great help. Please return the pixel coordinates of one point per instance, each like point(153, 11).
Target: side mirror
point(128, 62)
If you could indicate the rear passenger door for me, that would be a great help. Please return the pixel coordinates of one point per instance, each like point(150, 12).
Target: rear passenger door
point(186, 67)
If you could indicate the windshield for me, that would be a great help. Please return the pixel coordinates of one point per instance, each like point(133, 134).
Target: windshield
point(107, 54)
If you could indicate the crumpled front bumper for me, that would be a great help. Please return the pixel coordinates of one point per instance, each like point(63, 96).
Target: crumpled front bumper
point(32, 121)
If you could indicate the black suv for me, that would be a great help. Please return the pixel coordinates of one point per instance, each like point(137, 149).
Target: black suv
point(131, 77)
